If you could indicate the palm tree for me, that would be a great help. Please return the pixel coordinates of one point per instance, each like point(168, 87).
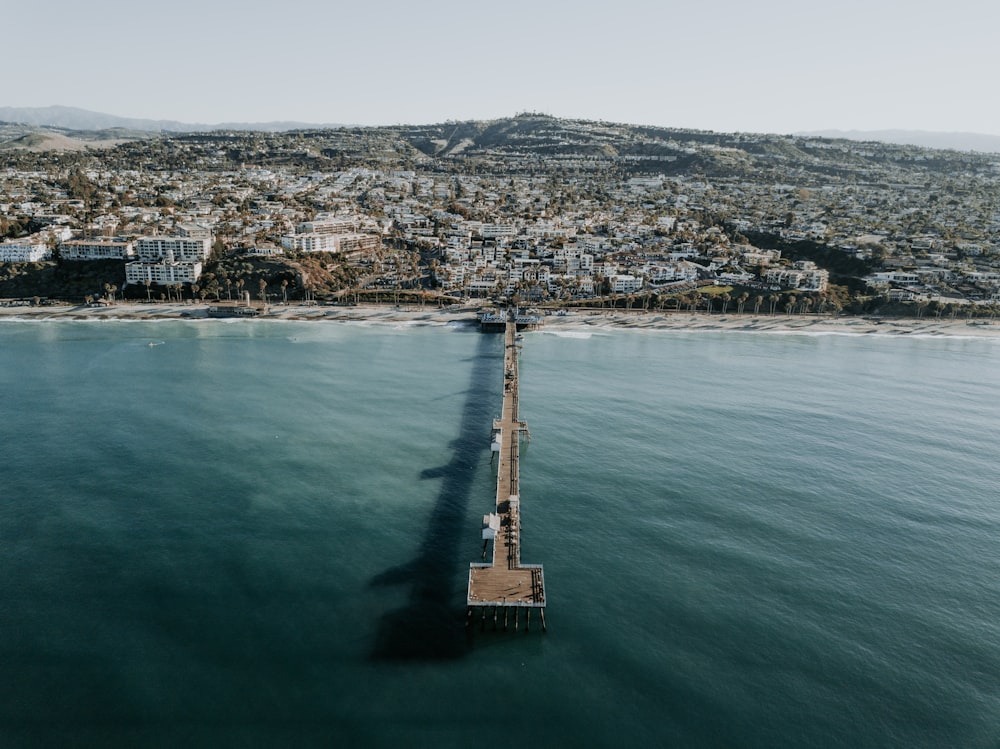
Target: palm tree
point(758, 300)
point(263, 288)
point(773, 299)
point(284, 290)
point(148, 282)
point(725, 302)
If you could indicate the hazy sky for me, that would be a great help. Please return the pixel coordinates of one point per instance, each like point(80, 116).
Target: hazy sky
point(767, 66)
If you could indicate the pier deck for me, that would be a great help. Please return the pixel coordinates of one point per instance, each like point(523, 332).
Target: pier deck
point(505, 582)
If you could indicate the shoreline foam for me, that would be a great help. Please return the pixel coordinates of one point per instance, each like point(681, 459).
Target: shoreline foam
point(809, 324)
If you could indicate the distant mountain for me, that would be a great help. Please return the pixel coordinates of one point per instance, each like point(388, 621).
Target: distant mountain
point(952, 141)
point(81, 119)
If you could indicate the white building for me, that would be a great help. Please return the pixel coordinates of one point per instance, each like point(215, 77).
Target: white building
point(89, 249)
point(168, 260)
point(803, 275)
point(161, 272)
point(355, 245)
point(174, 249)
point(193, 231)
point(625, 284)
point(263, 251)
point(572, 262)
point(24, 252)
point(328, 226)
point(681, 271)
point(497, 231)
point(900, 278)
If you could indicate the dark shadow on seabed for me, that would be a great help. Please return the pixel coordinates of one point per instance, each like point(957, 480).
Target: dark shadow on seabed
point(432, 626)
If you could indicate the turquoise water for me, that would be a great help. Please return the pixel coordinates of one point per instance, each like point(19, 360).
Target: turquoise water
point(258, 534)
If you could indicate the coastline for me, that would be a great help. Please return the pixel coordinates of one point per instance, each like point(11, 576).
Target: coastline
point(813, 324)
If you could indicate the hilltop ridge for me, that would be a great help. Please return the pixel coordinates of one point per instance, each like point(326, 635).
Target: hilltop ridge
point(78, 119)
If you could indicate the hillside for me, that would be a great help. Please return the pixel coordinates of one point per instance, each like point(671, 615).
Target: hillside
point(73, 118)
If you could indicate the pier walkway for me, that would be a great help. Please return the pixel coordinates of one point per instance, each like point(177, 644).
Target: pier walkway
point(505, 584)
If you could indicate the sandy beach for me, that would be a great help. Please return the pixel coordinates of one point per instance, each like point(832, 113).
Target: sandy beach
point(576, 320)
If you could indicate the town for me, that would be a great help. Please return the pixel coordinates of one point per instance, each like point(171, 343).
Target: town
point(533, 209)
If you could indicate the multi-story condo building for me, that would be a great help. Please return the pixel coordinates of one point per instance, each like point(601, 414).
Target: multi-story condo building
point(328, 226)
point(168, 260)
point(625, 284)
point(24, 252)
point(497, 231)
point(174, 249)
point(353, 245)
point(92, 249)
point(161, 273)
point(193, 231)
point(802, 275)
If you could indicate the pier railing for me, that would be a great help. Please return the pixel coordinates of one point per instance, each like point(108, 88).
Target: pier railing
point(506, 583)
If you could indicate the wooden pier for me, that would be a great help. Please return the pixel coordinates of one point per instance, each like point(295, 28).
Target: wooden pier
point(505, 584)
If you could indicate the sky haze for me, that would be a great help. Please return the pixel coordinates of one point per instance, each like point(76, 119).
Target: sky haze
point(771, 66)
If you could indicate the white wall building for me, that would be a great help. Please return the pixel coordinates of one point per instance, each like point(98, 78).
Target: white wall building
point(161, 272)
point(89, 249)
point(24, 252)
point(350, 244)
point(328, 226)
point(193, 231)
point(174, 249)
point(682, 271)
point(625, 284)
point(497, 231)
point(803, 275)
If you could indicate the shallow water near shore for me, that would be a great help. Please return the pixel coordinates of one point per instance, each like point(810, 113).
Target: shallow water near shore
point(258, 533)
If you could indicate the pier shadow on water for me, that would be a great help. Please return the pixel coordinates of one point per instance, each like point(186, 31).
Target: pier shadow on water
point(431, 626)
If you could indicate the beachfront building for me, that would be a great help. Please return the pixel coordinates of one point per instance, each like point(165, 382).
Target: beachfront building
point(660, 274)
point(803, 275)
point(168, 260)
point(24, 252)
point(174, 249)
point(90, 249)
point(162, 272)
point(625, 284)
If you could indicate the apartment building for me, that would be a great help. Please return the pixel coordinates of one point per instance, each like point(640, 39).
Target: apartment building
point(24, 252)
point(174, 249)
point(161, 273)
point(168, 260)
point(802, 275)
point(89, 249)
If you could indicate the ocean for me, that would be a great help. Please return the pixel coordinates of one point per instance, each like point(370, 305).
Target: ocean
point(257, 533)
